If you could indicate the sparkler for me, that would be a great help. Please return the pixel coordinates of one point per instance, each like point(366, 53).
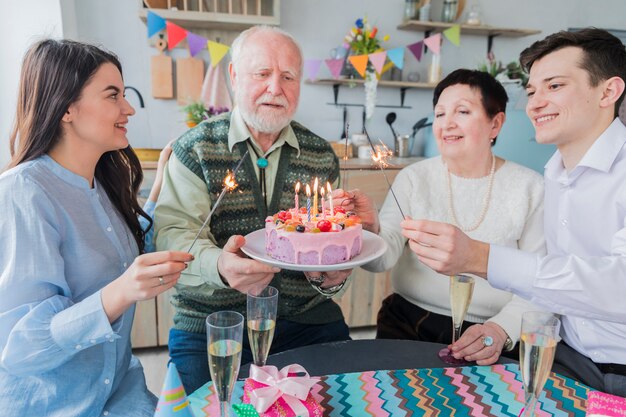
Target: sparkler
point(229, 185)
point(380, 157)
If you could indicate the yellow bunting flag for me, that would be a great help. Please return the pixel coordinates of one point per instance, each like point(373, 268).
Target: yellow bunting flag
point(216, 51)
point(359, 62)
point(453, 34)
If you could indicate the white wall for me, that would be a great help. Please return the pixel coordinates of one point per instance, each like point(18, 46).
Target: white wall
point(319, 26)
point(20, 25)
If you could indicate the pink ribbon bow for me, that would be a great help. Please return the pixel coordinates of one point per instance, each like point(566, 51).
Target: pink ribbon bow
point(292, 389)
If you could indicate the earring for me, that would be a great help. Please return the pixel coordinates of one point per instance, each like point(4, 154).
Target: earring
point(493, 140)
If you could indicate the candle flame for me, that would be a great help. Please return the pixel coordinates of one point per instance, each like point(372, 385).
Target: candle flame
point(297, 187)
point(322, 192)
point(315, 183)
point(330, 190)
point(308, 190)
point(229, 181)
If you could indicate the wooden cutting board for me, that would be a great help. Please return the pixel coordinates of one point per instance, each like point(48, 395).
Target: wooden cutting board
point(189, 77)
point(161, 73)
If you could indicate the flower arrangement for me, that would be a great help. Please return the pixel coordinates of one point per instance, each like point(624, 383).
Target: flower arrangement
point(362, 38)
point(196, 112)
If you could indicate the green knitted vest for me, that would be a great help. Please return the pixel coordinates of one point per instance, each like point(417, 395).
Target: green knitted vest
point(204, 150)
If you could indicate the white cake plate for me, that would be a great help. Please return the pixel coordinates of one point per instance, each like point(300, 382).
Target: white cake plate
point(373, 247)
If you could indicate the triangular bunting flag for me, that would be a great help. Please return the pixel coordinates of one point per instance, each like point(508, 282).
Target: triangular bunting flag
point(396, 56)
point(312, 67)
point(378, 60)
point(453, 34)
point(173, 401)
point(196, 43)
point(335, 66)
point(416, 48)
point(434, 43)
point(216, 51)
point(175, 34)
point(155, 23)
point(359, 62)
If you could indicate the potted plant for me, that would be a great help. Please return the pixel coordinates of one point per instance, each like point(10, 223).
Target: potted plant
point(195, 113)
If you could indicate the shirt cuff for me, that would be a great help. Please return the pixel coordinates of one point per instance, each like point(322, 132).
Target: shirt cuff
point(512, 270)
point(83, 324)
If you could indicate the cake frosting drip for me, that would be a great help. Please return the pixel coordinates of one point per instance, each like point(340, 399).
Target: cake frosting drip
point(290, 237)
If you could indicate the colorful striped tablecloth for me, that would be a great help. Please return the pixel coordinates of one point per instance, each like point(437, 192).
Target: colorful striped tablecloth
point(466, 391)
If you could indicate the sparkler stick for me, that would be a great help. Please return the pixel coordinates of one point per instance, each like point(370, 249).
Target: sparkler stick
point(379, 159)
point(229, 185)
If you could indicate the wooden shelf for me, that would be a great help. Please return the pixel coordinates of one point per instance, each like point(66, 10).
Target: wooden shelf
point(210, 20)
point(421, 26)
point(381, 83)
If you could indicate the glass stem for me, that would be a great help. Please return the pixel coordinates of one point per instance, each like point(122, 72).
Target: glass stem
point(530, 405)
point(456, 332)
point(224, 412)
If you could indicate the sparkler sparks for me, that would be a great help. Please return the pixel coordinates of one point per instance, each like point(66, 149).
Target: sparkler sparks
point(229, 185)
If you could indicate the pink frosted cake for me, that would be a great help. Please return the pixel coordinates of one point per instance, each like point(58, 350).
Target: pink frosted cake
point(325, 240)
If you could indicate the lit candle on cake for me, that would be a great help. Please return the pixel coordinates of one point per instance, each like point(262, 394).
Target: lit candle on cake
point(323, 203)
point(308, 201)
point(330, 198)
point(315, 185)
point(296, 197)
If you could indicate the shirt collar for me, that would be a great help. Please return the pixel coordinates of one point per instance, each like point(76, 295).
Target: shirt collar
point(600, 156)
point(239, 132)
point(65, 174)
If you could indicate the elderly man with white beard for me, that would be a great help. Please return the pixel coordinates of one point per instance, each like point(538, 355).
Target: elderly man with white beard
point(265, 72)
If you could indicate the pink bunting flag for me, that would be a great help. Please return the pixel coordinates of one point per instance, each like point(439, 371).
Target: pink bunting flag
point(416, 48)
point(335, 66)
point(434, 43)
point(196, 43)
point(312, 67)
point(175, 34)
point(378, 60)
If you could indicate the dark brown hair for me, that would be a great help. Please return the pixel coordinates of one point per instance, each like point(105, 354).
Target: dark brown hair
point(493, 95)
point(54, 73)
point(604, 55)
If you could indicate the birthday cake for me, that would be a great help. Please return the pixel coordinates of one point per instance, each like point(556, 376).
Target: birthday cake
point(294, 237)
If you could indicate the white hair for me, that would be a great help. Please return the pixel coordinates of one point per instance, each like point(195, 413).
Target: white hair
point(238, 44)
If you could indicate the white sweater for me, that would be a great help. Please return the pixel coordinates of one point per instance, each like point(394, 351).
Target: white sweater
point(514, 218)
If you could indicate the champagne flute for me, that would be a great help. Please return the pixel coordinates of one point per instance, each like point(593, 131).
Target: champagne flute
point(224, 334)
point(262, 303)
point(540, 335)
point(461, 289)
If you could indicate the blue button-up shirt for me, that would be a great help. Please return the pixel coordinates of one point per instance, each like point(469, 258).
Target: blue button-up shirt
point(61, 242)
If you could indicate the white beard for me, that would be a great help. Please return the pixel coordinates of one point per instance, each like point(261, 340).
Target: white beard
point(266, 123)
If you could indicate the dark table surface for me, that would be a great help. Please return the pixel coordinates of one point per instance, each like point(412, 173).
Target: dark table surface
point(361, 355)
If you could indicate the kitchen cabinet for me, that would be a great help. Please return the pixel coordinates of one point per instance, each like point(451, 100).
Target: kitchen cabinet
point(361, 300)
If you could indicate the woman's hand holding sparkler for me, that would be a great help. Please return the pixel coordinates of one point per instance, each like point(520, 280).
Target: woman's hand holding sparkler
point(361, 204)
point(240, 272)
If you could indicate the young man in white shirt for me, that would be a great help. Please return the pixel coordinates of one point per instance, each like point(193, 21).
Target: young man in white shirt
point(577, 83)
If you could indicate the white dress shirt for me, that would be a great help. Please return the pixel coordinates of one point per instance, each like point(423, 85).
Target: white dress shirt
point(583, 277)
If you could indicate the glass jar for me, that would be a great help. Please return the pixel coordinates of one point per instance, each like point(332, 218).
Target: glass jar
point(411, 10)
point(448, 13)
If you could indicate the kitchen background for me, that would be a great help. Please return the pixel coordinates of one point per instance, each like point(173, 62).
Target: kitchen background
point(319, 26)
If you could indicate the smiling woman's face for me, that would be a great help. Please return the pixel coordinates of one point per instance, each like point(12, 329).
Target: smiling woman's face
point(266, 82)
point(462, 127)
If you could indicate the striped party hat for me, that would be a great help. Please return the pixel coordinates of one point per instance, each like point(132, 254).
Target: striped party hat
point(173, 401)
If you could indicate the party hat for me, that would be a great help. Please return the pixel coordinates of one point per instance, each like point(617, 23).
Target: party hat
point(173, 401)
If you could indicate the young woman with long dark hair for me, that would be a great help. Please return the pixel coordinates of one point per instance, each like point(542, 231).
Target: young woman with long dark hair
point(70, 242)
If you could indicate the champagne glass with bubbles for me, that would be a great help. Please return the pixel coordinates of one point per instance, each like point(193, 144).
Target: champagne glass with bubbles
point(461, 290)
point(224, 335)
point(540, 335)
point(261, 320)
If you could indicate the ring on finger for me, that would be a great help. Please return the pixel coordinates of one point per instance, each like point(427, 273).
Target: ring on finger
point(487, 341)
point(161, 281)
